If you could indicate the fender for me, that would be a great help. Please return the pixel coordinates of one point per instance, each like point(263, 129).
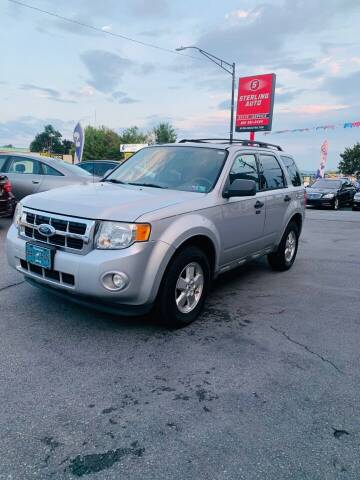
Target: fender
point(295, 207)
point(174, 235)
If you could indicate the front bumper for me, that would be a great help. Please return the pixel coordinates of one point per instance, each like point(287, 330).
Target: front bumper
point(141, 263)
point(87, 301)
point(320, 202)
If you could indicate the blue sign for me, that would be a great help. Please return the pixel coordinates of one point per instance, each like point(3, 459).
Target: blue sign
point(79, 140)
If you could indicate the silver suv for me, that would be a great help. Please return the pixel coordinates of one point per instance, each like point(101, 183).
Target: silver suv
point(160, 227)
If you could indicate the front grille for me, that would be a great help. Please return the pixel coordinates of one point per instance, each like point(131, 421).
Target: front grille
point(59, 277)
point(71, 234)
point(314, 196)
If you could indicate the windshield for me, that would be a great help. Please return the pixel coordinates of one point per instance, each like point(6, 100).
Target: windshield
point(189, 169)
point(332, 184)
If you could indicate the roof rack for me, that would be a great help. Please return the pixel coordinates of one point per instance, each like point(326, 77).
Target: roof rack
point(246, 143)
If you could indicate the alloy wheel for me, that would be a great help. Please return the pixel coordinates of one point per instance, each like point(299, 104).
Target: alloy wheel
point(189, 287)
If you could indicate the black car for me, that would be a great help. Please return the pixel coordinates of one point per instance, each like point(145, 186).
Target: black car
point(333, 193)
point(7, 199)
point(98, 168)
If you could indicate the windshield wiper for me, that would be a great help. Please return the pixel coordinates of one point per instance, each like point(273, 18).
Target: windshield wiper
point(154, 185)
point(113, 180)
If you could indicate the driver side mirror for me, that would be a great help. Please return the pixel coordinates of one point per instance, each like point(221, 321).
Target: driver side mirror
point(240, 188)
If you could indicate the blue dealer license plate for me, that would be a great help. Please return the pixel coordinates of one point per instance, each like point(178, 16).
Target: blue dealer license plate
point(40, 256)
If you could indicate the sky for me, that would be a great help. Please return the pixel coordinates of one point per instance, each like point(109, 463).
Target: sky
point(56, 72)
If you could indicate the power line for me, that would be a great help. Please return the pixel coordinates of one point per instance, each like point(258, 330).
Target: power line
point(97, 29)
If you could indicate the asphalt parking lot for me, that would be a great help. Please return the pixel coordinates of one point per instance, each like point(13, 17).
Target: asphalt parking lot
point(266, 385)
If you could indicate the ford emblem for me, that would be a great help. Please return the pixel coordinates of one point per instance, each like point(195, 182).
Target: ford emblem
point(46, 230)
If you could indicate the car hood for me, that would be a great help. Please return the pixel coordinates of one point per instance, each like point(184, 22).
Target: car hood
point(106, 201)
point(322, 190)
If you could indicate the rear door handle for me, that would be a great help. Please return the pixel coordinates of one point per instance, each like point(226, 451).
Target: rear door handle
point(287, 198)
point(36, 182)
point(258, 204)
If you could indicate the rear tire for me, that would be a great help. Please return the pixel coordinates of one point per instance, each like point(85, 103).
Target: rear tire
point(184, 288)
point(285, 255)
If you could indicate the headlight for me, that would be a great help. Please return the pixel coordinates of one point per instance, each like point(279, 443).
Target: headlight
point(17, 214)
point(117, 235)
point(328, 195)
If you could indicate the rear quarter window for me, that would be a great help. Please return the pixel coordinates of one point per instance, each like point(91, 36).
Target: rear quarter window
point(293, 171)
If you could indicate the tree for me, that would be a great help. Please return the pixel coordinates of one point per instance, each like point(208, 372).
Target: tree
point(350, 163)
point(101, 143)
point(133, 135)
point(50, 141)
point(164, 133)
point(47, 141)
point(68, 146)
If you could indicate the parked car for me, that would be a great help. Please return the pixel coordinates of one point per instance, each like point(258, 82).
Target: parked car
point(356, 201)
point(7, 200)
point(333, 193)
point(99, 167)
point(31, 173)
point(162, 226)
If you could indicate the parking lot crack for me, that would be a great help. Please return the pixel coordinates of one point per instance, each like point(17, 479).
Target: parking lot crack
point(305, 347)
point(11, 285)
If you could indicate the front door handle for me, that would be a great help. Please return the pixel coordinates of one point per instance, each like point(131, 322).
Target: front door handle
point(287, 198)
point(36, 182)
point(258, 204)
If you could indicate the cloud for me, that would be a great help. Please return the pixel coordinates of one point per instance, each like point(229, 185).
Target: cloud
point(285, 96)
point(224, 105)
point(122, 98)
point(46, 93)
point(313, 109)
point(22, 130)
point(155, 8)
point(237, 14)
point(346, 88)
point(128, 100)
point(106, 69)
point(265, 40)
point(93, 13)
point(156, 32)
point(147, 68)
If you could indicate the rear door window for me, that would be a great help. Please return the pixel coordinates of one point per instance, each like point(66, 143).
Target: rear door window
point(47, 170)
point(245, 167)
point(292, 170)
point(23, 165)
point(271, 174)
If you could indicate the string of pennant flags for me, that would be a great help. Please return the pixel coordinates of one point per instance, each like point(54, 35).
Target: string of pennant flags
point(320, 127)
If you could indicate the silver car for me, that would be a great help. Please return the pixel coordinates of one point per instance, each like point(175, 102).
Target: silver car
point(32, 173)
point(160, 227)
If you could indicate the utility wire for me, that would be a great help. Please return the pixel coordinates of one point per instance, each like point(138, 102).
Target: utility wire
point(97, 29)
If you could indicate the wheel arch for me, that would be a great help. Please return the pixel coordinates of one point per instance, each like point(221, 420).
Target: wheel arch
point(298, 220)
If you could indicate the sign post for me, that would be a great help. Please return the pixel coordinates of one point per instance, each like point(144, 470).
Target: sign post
point(255, 103)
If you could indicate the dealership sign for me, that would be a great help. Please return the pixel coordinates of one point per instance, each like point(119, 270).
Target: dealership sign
point(132, 147)
point(255, 103)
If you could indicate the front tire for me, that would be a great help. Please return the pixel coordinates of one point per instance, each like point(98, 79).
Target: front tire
point(184, 288)
point(336, 204)
point(285, 255)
